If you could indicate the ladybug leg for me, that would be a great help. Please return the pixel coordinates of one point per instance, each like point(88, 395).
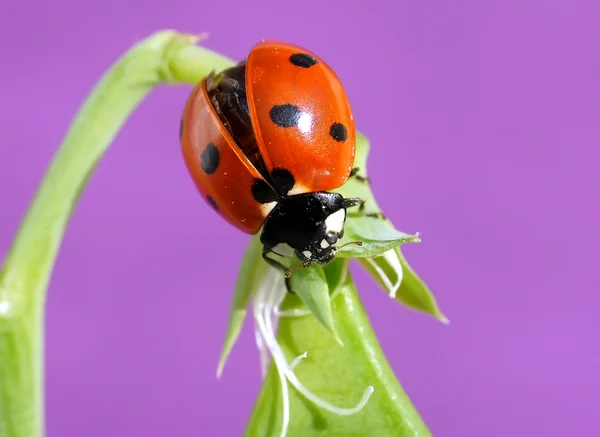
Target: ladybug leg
point(354, 174)
point(272, 262)
point(354, 201)
point(287, 272)
point(278, 266)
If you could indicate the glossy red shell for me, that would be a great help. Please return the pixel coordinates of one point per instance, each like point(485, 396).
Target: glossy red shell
point(228, 188)
point(308, 150)
point(318, 149)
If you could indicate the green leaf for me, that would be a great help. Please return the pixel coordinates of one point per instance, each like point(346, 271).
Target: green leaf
point(251, 270)
point(395, 276)
point(377, 236)
point(338, 375)
point(414, 292)
point(310, 285)
point(380, 253)
point(336, 272)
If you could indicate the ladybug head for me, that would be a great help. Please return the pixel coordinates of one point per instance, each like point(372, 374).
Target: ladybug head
point(307, 226)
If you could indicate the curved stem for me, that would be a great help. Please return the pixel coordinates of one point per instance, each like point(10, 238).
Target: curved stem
point(164, 57)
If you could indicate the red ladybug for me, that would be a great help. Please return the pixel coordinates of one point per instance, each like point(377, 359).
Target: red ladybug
point(265, 140)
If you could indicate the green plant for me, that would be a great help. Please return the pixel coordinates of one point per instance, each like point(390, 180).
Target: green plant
point(313, 324)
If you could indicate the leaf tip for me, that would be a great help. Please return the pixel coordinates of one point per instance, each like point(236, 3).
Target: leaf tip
point(329, 326)
point(442, 318)
point(416, 238)
point(220, 368)
point(195, 38)
point(338, 339)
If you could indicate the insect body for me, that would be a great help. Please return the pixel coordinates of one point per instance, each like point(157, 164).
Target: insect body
point(265, 141)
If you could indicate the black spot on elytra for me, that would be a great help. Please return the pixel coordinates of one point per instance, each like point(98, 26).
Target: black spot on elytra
point(285, 115)
point(210, 159)
point(283, 180)
point(303, 60)
point(181, 129)
point(262, 192)
point(212, 203)
point(338, 132)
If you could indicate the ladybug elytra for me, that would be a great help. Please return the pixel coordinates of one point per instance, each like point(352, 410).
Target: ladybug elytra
point(265, 141)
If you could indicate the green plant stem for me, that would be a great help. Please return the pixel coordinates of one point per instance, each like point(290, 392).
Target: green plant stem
point(338, 375)
point(28, 266)
point(192, 63)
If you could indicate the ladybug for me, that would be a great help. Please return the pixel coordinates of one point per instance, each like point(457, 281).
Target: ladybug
point(265, 141)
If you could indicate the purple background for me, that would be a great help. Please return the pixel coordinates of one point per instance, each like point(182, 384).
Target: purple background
point(484, 123)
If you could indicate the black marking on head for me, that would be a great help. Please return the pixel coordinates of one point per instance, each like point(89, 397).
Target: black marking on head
point(210, 159)
point(303, 60)
point(285, 115)
point(283, 180)
point(299, 221)
point(212, 203)
point(181, 129)
point(338, 132)
point(262, 192)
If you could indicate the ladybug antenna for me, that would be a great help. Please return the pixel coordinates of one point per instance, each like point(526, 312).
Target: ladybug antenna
point(304, 265)
point(356, 243)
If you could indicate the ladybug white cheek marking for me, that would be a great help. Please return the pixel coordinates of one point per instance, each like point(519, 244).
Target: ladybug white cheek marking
point(266, 208)
point(307, 253)
point(284, 249)
point(324, 244)
point(298, 189)
point(335, 222)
